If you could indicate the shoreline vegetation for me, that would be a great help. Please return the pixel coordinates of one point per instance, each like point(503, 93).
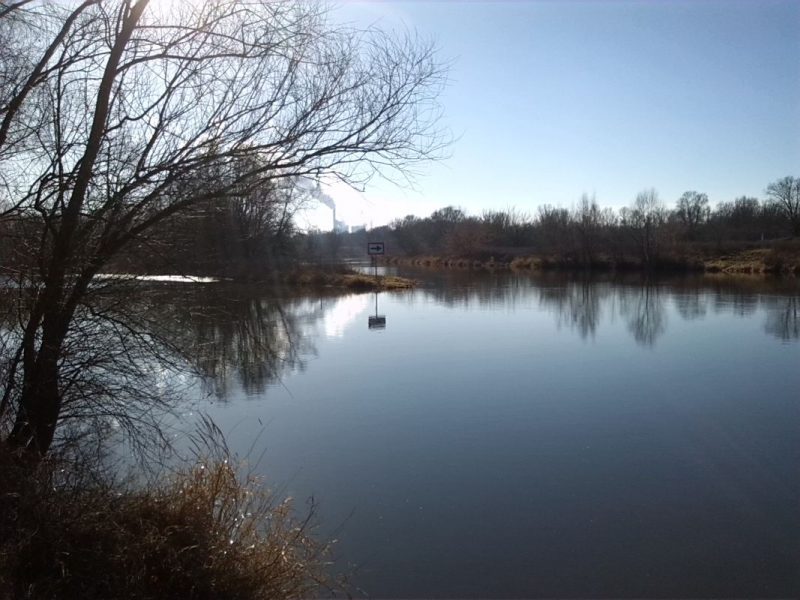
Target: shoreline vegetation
point(333, 278)
point(745, 235)
point(779, 260)
point(345, 279)
point(207, 530)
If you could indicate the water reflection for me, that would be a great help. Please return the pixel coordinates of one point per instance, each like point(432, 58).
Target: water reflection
point(376, 321)
point(643, 308)
point(248, 338)
point(582, 302)
point(343, 311)
point(535, 393)
point(244, 337)
point(239, 336)
point(467, 289)
point(782, 317)
point(575, 304)
point(692, 303)
point(741, 302)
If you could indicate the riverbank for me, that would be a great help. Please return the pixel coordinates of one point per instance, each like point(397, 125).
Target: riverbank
point(301, 277)
point(345, 279)
point(783, 260)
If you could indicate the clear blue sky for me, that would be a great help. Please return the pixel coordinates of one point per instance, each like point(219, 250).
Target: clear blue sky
point(549, 100)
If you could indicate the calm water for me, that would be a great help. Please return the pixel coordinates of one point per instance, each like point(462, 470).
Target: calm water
point(510, 436)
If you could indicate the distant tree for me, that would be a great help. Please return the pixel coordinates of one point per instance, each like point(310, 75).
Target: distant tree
point(692, 211)
point(552, 227)
point(587, 220)
point(509, 227)
point(644, 220)
point(448, 214)
point(745, 210)
point(742, 219)
point(784, 194)
point(408, 232)
point(467, 239)
point(441, 224)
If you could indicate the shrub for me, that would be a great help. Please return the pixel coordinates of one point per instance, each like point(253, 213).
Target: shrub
point(203, 532)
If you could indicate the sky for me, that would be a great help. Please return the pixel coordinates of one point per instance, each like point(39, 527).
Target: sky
point(550, 100)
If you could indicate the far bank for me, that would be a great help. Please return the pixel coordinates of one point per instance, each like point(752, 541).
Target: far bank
point(779, 259)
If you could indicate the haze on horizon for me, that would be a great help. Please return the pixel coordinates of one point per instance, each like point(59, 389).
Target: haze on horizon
point(549, 100)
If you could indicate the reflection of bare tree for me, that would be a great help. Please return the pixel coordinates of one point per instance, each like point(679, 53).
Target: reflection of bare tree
point(127, 354)
point(692, 304)
point(739, 301)
point(581, 301)
point(739, 296)
point(456, 287)
point(258, 342)
point(241, 334)
point(783, 317)
point(576, 303)
point(643, 306)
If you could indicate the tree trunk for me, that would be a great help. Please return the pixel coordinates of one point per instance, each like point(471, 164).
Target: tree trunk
point(40, 401)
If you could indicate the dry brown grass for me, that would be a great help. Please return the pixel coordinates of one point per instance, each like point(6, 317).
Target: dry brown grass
point(344, 278)
point(368, 282)
point(779, 258)
point(526, 263)
point(782, 257)
point(203, 532)
point(447, 262)
point(750, 261)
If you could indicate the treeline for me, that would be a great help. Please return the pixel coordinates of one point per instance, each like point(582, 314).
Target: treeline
point(248, 235)
point(647, 232)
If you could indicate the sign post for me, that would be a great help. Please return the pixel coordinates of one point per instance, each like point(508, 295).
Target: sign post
point(375, 249)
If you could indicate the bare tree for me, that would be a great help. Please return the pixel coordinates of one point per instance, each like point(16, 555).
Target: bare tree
point(692, 211)
point(644, 220)
point(784, 194)
point(117, 114)
point(553, 228)
point(587, 222)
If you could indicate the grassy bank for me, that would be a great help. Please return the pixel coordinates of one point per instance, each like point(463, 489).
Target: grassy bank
point(343, 278)
point(781, 258)
point(334, 277)
point(203, 532)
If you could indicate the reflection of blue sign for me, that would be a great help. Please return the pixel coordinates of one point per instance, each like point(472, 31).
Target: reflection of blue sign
point(375, 248)
point(377, 322)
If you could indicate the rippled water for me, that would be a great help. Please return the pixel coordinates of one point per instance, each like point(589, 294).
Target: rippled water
point(517, 436)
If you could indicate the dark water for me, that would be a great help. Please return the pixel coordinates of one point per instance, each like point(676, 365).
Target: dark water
point(519, 436)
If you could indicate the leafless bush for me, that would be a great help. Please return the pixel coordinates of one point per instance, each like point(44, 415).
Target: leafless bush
point(69, 530)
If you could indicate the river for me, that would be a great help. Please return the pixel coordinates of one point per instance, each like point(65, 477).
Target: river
point(505, 435)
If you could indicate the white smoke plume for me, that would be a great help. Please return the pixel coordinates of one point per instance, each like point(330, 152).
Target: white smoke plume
point(314, 189)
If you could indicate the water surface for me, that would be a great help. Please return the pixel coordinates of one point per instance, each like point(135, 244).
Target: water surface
point(519, 436)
